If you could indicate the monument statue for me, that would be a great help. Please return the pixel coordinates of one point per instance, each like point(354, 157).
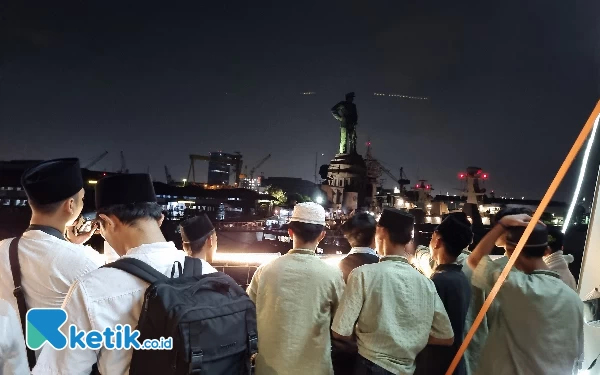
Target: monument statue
point(345, 113)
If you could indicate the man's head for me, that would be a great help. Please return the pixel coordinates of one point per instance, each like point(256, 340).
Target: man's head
point(555, 241)
point(359, 230)
point(55, 191)
point(127, 211)
point(350, 97)
point(199, 237)
point(307, 225)
point(534, 248)
point(505, 211)
point(394, 229)
point(451, 237)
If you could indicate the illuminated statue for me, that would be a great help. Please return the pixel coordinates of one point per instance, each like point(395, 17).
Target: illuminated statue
point(345, 113)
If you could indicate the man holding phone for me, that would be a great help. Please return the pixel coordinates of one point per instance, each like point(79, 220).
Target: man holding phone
point(38, 268)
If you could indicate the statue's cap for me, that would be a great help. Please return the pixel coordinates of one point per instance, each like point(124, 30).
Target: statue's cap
point(350, 95)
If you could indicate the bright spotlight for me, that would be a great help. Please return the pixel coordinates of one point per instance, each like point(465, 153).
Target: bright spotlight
point(319, 200)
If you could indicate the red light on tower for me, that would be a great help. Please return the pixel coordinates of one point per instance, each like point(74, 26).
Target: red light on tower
point(461, 175)
point(417, 186)
point(428, 186)
point(485, 175)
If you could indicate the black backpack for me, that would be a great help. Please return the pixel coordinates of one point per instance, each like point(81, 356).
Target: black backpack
point(211, 319)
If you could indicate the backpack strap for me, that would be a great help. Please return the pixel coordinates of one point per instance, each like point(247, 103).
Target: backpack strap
point(192, 267)
point(137, 268)
point(15, 267)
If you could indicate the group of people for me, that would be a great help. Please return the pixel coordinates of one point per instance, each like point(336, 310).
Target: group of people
point(56, 270)
point(394, 309)
point(389, 308)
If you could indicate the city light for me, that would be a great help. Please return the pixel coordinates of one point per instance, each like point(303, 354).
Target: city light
point(319, 200)
point(92, 182)
point(245, 258)
point(586, 156)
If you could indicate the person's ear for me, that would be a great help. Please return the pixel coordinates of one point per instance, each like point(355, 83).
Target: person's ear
point(160, 221)
point(107, 222)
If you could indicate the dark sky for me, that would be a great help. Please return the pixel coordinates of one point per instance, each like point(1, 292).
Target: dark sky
point(510, 84)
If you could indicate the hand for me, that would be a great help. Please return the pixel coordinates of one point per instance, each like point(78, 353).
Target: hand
point(75, 237)
point(521, 220)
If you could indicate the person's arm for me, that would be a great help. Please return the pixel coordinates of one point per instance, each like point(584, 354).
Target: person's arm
point(13, 355)
point(441, 342)
point(253, 287)
point(486, 245)
point(349, 308)
point(335, 111)
point(70, 361)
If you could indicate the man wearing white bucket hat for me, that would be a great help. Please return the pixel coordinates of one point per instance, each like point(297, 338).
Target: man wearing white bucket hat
point(296, 298)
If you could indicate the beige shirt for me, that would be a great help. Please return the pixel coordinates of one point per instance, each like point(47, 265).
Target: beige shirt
point(538, 328)
point(296, 297)
point(104, 298)
point(395, 309)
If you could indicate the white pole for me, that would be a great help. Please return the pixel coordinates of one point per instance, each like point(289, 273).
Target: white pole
point(584, 162)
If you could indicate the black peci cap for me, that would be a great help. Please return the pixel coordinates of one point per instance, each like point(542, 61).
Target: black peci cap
point(456, 231)
point(196, 228)
point(124, 189)
point(394, 219)
point(53, 181)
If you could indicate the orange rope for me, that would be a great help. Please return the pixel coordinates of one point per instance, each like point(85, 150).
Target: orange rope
point(536, 217)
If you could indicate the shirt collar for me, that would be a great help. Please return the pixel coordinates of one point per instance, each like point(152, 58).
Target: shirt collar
point(394, 258)
point(302, 251)
point(546, 272)
point(152, 248)
point(362, 250)
point(48, 230)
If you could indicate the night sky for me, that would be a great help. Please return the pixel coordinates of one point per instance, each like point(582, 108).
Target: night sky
point(510, 84)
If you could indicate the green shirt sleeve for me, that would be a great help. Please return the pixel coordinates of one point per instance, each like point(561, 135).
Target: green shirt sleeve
point(350, 305)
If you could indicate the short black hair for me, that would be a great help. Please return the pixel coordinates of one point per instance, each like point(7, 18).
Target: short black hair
point(401, 237)
point(511, 210)
point(129, 213)
point(359, 230)
point(196, 246)
point(534, 252)
point(48, 208)
point(306, 232)
point(555, 239)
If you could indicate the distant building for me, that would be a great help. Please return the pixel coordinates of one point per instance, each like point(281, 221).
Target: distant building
point(219, 167)
point(251, 183)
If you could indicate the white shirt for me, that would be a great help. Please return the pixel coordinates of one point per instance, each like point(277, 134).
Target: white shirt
point(362, 250)
point(104, 298)
point(49, 266)
point(13, 357)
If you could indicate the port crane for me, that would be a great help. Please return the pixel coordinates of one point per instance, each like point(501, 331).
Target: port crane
point(260, 163)
point(123, 164)
point(95, 160)
point(168, 177)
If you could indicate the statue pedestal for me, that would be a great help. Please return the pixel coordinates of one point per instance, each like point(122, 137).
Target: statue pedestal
point(347, 176)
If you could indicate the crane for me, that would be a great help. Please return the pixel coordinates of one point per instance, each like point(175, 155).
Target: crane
point(401, 181)
point(96, 160)
point(170, 180)
point(260, 163)
point(123, 164)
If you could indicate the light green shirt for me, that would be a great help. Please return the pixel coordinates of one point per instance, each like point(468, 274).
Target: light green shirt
point(538, 327)
point(296, 296)
point(395, 309)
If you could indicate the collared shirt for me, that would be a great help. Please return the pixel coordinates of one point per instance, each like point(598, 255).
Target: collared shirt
point(357, 257)
point(104, 298)
point(395, 309)
point(362, 250)
point(557, 262)
point(13, 357)
point(296, 296)
point(539, 325)
point(49, 266)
